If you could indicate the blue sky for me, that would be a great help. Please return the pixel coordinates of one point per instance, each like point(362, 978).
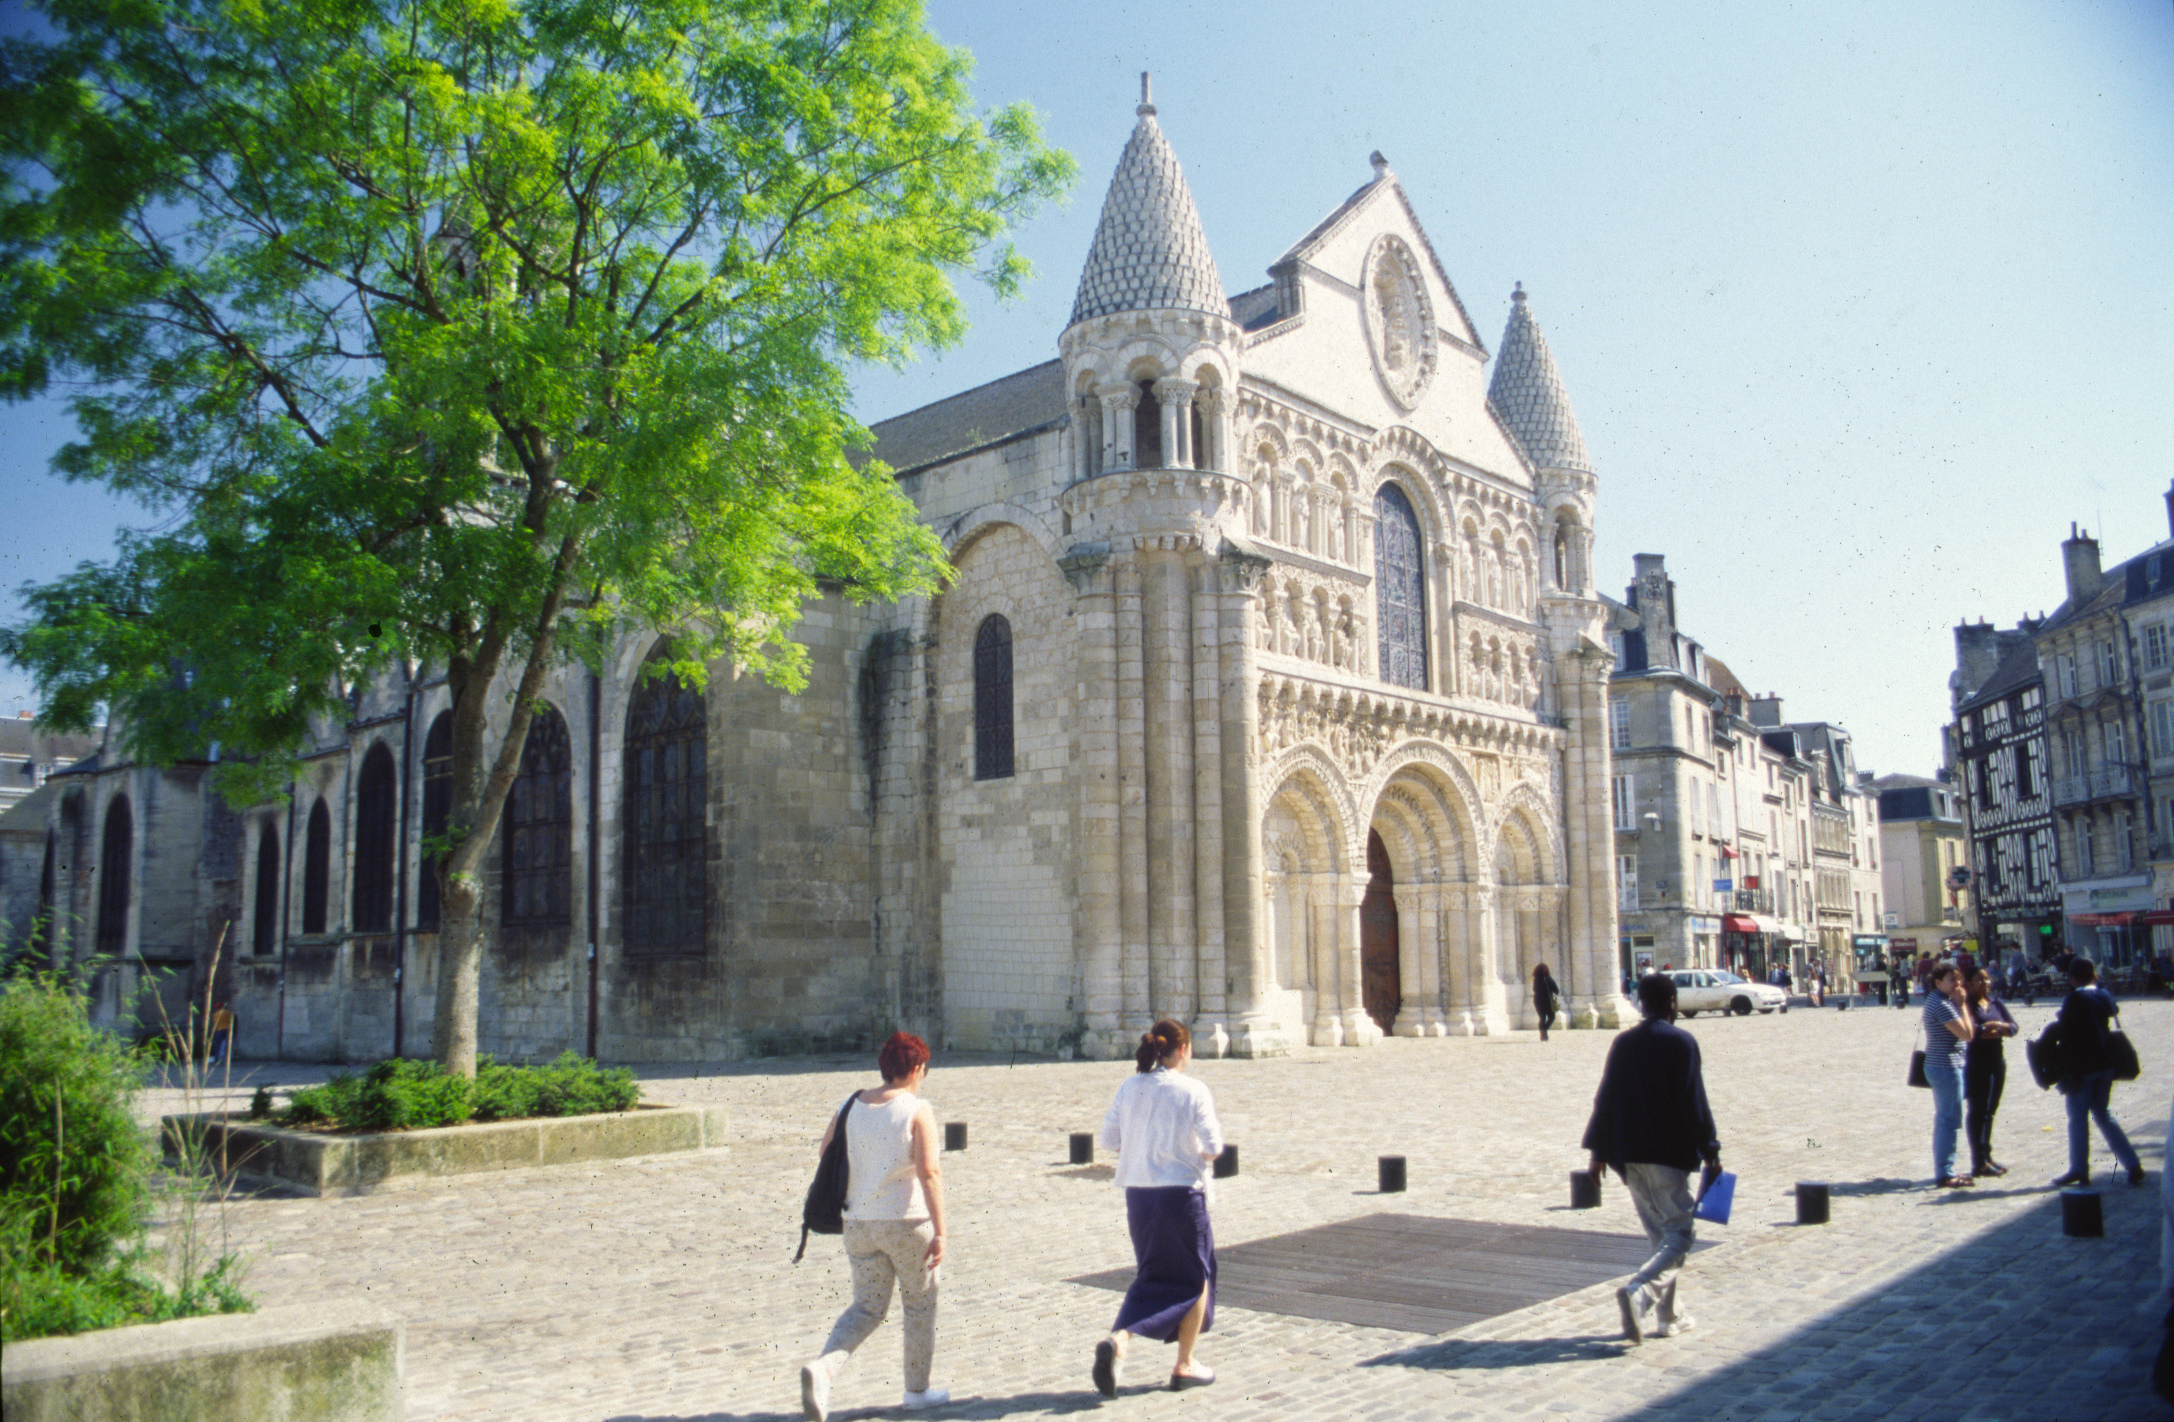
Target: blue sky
point(1859, 305)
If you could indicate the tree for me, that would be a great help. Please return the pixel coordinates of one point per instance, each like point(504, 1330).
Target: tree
point(474, 333)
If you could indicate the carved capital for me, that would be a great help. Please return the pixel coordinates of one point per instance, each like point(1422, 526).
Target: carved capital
point(1242, 566)
point(1083, 567)
point(1119, 397)
point(1176, 392)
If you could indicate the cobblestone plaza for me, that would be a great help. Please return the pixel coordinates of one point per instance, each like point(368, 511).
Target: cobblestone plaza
point(663, 1288)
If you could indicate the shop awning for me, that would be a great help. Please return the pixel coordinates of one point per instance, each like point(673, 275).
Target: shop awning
point(1751, 923)
point(2103, 920)
point(2156, 916)
point(1727, 853)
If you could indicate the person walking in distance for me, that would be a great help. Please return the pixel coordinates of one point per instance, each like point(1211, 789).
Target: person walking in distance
point(2083, 1027)
point(1163, 1127)
point(1651, 1125)
point(894, 1225)
point(1547, 997)
point(1948, 1027)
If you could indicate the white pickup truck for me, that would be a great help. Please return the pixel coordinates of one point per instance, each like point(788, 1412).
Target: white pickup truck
point(1718, 990)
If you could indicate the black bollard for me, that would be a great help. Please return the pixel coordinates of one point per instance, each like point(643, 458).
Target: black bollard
point(954, 1135)
point(1083, 1148)
point(1226, 1164)
point(1389, 1172)
point(2081, 1217)
point(1811, 1202)
point(1841, 1004)
point(1584, 1190)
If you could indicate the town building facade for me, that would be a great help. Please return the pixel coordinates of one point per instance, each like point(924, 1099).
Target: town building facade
point(1270, 694)
point(1924, 841)
point(1999, 766)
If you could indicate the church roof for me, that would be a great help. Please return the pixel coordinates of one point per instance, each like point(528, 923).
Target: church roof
point(1149, 252)
point(1528, 395)
point(973, 419)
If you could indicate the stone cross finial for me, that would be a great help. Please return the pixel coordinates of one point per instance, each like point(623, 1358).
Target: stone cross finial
point(1147, 95)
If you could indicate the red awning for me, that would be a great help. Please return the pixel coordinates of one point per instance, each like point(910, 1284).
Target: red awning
point(1736, 923)
point(2102, 920)
point(1727, 853)
point(2156, 916)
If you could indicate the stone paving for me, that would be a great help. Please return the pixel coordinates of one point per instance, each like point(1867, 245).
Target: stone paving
point(640, 1291)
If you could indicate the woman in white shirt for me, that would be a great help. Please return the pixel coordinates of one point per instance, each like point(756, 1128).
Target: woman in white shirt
point(1163, 1127)
point(894, 1224)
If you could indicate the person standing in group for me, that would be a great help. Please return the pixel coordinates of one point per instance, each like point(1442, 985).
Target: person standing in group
point(1547, 997)
point(2082, 1028)
point(1163, 1127)
point(1985, 1069)
point(894, 1225)
point(1651, 1125)
point(1948, 1027)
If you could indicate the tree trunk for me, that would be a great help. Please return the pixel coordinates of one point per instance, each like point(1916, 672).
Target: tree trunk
point(460, 960)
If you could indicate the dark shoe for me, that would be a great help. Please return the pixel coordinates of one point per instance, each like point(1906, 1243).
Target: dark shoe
point(1105, 1373)
point(1179, 1382)
point(1626, 1299)
point(1991, 1167)
point(2074, 1177)
point(1954, 1182)
point(2136, 1176)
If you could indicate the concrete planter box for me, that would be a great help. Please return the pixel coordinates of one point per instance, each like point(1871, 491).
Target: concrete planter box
point(299, 1363)
point(346, 1165)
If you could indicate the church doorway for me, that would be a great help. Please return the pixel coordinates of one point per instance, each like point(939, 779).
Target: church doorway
point(1379, 980)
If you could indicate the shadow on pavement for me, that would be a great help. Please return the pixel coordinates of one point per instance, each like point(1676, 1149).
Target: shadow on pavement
point(1499, 1353)
point(1084, 1400)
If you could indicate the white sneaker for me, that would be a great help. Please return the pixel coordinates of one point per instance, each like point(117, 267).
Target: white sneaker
point(1681, 1323)
point(814, 1393)
point(927, 1397)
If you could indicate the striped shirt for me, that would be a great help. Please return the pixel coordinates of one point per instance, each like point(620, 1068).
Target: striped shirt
point(1942, 1047)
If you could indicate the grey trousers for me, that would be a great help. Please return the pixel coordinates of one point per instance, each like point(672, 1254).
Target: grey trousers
point(1662, 1194)
point(881, 1252)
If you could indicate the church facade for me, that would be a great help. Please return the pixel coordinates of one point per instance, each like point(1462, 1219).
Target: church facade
point(1271, 694)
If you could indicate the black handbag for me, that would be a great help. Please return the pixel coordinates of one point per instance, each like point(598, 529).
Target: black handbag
point(823, 1212)
point(2123, 1048)
point(1917, 1070)
point(2043, 1053)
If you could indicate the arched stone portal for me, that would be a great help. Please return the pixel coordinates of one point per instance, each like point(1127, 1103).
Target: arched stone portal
point(1379, 970)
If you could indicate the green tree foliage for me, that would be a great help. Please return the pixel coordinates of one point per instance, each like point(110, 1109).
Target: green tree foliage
point(471, 333)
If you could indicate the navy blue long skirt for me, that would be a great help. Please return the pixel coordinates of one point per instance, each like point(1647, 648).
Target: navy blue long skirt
point(1174, 1247)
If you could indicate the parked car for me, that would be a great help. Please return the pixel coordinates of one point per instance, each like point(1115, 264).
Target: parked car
point(1718, 990)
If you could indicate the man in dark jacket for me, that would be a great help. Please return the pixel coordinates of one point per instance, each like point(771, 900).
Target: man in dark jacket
point(1652, 1126)
point(2083, 1030)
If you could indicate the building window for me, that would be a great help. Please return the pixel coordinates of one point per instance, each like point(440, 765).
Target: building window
point(2117, 743)
point(1625, 803)
point(1626, 880)
point(115, 855)
point(2162, 728)
point(376, 828)
point(2065, 668)
point(1400, 589)
point(437, 811)
point(993, 699)
point(537, 885)
point(667, 791)
point(264, 929)
point(2124, 850)
point(1619, 725)
point(2109, 666)
point(316, 868)
point(2155, 647)
point(2086, 848)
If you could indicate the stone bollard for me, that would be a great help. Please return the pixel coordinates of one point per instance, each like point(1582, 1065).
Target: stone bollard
point(2081, 1216)
point(1083, 1148)
point(1811, 1202)
point(1389, 1174)
point(954, 1135)
point(1584, 1190)
point(1226, 1164)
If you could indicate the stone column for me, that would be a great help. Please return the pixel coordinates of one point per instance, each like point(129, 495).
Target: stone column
point(1215, 428)
point(1203, 587)
point(1528, 951)
point(1457, 953)
point(1322, 943)
point(1099, 931)
point(1176, 397)
point(1490, 1007)
point(1132, 801)
point(1245, 948)
point(1168, 693)
point(1431, 1019)
point(1360, 1030)
point(1118, 402)
point(1410, 944)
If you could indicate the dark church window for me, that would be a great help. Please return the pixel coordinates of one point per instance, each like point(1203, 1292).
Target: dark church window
point(667, 788)
point(437, 810)
point(993, 699)
point(1400, 589)
point(538, 875)
point(376, 803)
point(264, 932)
point(113, 875)
point(317, 868)
point(1147, 429)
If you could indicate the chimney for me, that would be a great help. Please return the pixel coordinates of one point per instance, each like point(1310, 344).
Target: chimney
point(1977, 652)
point(1656, 601)
point(2080, 559)
point(1766, 711)
point(2170, 508)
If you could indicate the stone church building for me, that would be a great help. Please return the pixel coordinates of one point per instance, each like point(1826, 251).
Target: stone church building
point(1270, 695)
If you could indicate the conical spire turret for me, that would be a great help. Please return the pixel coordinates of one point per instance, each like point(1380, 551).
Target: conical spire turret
point(1149, 252)
point(1528, 395)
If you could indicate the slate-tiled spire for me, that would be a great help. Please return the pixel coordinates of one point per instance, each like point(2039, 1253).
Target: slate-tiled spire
point(1528, 395)
point(1149, 252)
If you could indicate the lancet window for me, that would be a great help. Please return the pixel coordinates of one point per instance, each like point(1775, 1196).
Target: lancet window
point(116, 854)
point(667, 789)
point(437, 812)
point(376, 829)
point(317, 868)
point(993, 699)
point(1400, 589)
point(538, 869)
point(264, 931)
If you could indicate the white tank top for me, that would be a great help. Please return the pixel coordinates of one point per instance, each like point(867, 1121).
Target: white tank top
point(882, 1183)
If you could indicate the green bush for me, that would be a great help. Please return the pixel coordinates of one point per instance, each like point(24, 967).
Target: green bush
point(74, 1169)
point(405, 1095)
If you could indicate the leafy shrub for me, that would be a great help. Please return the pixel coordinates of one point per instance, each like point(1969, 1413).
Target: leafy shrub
point(41, 1302)
point(260, 1104)
point(74, 1168)
point(406, 1095)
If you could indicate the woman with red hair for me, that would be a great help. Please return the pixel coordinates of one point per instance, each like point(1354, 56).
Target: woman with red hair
point(894, 1224)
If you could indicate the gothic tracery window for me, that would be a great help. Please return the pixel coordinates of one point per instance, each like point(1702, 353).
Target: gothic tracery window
point(264, 935)
point(537, 880)
point(317, 868)
point(437, 811)
point(667, 788)
point(993, 699)
point(376, 829)
point(1400, 590)
point(115, 864)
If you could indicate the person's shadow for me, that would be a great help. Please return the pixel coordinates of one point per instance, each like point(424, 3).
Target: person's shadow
point(1082, 1400)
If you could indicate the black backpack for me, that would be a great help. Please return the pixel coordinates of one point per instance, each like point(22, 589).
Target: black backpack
point(823, 1212)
